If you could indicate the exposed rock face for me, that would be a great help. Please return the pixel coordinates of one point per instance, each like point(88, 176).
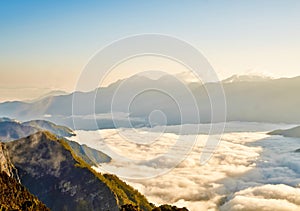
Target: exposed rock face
point(13, 195)
point(49, 169)
point(5, 163)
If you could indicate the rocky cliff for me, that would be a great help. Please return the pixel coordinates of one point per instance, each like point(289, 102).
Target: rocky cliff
point(13, 195)
point(6, 165)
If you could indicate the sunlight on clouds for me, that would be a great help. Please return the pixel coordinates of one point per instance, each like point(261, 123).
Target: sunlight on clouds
point(236, 177)
point(266, 197)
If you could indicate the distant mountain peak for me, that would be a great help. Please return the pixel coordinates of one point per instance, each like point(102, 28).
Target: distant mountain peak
point(189, 77)
point(247, 78)
point(6, 119)
point(12, 129)
point(292, 132)
point(52, 93)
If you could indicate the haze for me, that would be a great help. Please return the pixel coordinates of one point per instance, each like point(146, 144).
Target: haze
point(45, 45)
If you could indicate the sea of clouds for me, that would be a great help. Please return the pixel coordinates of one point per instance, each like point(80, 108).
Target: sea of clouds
point(250, 170)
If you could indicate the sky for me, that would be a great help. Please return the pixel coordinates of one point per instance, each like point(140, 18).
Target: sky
point(44, 45)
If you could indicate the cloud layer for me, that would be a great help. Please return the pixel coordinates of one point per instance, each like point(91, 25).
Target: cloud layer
point(266, 197)
point(249, 171)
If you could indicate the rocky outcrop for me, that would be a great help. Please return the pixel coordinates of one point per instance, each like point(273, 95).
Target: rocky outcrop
point(13, 195)
point(6, 165)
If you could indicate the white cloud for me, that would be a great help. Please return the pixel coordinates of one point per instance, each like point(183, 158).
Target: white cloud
point(266, 197)
point(234, 178)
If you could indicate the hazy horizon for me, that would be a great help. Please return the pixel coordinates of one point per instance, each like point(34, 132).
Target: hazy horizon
point(45, 46)
point(29, 94)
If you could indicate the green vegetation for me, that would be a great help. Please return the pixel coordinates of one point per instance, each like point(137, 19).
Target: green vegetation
point(124, 193)
point(14, 196)
point(50, 169)
point(167, 207)
point(129, 207)
point(77, 169)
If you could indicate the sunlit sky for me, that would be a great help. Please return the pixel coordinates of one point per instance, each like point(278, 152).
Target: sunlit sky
point(45, 44)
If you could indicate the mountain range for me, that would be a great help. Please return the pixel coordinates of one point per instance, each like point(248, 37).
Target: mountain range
point(248, 99)
point(247, 78)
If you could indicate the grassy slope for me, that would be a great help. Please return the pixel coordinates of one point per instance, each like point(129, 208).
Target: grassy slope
point(14, 196)
point(124, 193)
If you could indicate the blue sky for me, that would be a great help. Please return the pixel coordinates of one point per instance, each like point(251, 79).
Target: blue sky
point(46, 40)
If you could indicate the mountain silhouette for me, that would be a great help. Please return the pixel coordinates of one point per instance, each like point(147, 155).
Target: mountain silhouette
point(258, 100)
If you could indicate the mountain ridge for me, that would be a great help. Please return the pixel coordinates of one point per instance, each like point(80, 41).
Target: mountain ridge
point(57, 175)
point(255, 101)
point(247, 78)
point(11, 129)
point(292, 132)
point(13, 195)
